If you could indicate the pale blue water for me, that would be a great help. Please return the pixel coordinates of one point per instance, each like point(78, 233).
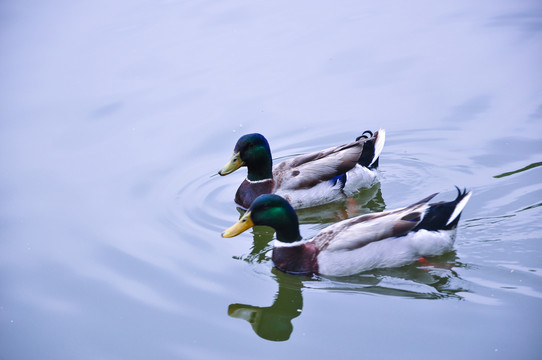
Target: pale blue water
point(115, 118)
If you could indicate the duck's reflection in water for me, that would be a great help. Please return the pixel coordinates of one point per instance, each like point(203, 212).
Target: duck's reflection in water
point(366, 201)
point(427, 279)
point(431, 278)
point(274, 322)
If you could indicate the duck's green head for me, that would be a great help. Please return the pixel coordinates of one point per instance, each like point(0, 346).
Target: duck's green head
point(252, 151)
point(269, 210)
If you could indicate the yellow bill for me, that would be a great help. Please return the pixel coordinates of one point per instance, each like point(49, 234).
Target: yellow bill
point(243, 224)
point(232, 165)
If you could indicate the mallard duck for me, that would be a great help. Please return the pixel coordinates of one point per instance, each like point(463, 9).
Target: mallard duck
point(379, 240)
point(306, 180)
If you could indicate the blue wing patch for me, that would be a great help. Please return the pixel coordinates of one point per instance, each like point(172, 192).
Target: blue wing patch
point(341, 179)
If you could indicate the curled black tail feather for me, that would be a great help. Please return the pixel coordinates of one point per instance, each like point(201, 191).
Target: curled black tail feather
point(365, 136)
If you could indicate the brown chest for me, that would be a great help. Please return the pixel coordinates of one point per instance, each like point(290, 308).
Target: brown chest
point(250, 190)
point(299, 260)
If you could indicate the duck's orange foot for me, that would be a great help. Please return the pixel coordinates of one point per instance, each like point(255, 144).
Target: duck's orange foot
point(423, 261)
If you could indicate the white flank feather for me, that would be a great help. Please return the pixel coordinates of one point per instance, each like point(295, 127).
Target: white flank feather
point(390, 252)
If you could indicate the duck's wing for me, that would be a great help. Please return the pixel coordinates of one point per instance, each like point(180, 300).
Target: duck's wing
point(306, 171)
point(361, 230)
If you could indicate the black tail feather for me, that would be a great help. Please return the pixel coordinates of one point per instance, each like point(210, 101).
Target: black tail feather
point(368, 150)
point(438, 214)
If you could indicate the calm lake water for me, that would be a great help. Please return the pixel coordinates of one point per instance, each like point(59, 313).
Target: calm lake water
point(115, 117)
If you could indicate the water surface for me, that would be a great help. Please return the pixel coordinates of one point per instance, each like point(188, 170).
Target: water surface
point(116, 117)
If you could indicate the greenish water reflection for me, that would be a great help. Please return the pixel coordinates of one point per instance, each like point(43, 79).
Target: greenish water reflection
point(432, 279)
point(528, 167)
point(274, 322)
point(366, 201)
